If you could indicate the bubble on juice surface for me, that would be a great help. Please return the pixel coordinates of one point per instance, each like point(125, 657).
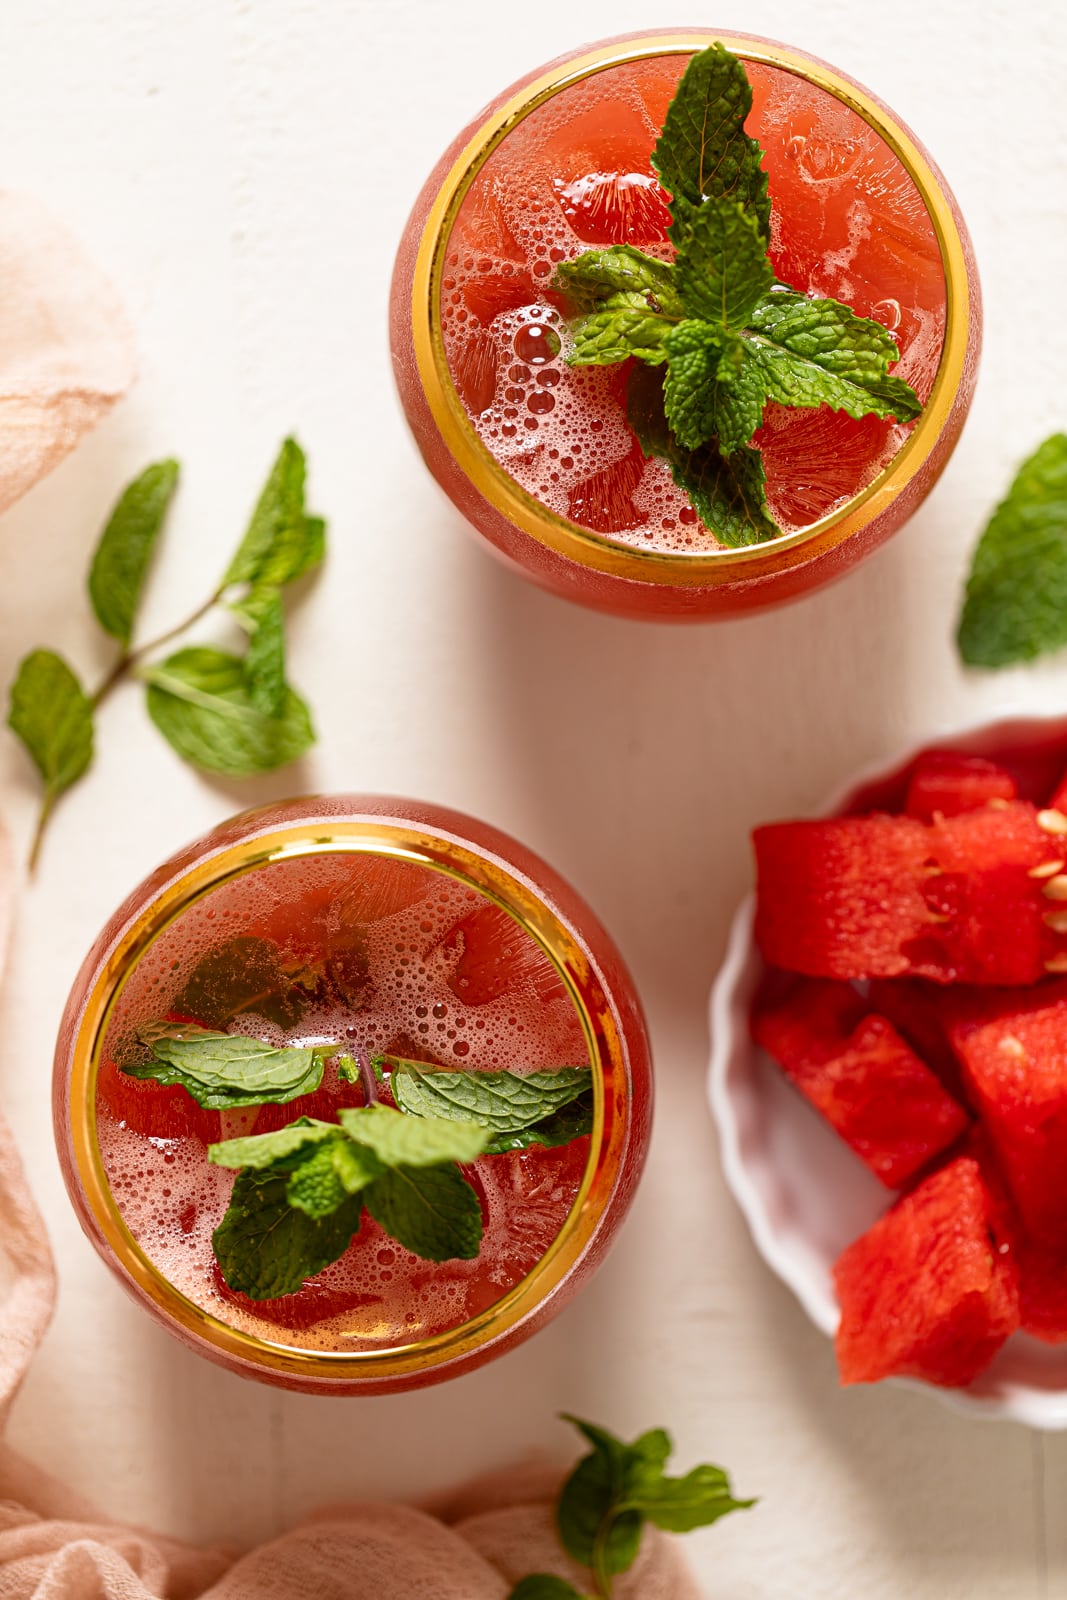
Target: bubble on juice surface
point(847, 222)
point(416, 929)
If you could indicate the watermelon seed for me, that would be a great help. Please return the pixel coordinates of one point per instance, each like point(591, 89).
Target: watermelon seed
point(1056, 888)
point(1052, 821)
point(1047, 869)
point(998, 804)
point(1056, 964)
point(1056, 920)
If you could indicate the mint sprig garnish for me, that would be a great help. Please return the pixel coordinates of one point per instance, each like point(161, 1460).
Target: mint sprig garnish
point(609, 1497)
point(402, 1161)
point(1016, 601)
point(731, 337)
point(300, 1195)
point(230, 714)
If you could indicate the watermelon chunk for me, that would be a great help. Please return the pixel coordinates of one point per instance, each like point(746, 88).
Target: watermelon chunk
point(945, 783)
point(931, 1290)
point(959, 900)
point(855, 1068)
point(920, 1012)
point(1014, 1054)
point(1043, 1290)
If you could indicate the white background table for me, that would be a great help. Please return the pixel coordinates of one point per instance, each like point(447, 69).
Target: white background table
point(243, 169)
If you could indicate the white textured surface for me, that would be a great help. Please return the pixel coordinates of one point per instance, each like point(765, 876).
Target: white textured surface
point(243, 171)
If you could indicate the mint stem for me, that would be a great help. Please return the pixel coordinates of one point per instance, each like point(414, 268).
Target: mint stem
point(366, 1076)
point(129, 659)
point(38, 833)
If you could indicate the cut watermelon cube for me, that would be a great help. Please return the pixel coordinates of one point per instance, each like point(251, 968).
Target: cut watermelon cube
point(945, 783)
point(920, 1012)
point(1014, 1054)
point(960, 900)
point(1043, 1290)
point(931, 1290)
point(855, 1068)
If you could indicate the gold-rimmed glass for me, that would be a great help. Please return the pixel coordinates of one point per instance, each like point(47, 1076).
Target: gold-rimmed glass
point(610, 572)
point(501, 873)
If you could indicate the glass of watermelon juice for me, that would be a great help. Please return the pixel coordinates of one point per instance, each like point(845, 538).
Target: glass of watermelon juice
point(413, 931)
point(539, 456)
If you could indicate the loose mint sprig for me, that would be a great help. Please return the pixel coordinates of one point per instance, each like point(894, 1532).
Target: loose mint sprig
point(609, 1497)
point(1016, 602)
point(717, 335)
point(235, 715)
point(300, 1195)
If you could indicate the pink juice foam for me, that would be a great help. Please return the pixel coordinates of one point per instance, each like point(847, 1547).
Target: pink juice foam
point(416, 964)
point(575, 173)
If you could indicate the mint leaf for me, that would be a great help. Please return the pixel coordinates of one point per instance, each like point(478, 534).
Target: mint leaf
point(261, 613)
point(826, 332)
point(598, 276)
point(678, 1505)
point(120, 563)
point(432, 1211)
point(721, 265)
point(267, 1247)
point(728, 494)
point(53, 717)
point(701, 358)
point(242, 975)
point(574, 1121)
point(501, 1101)
point(330, 1174)
point(223, 1071)
point(703, 152)
point(592, 1526)
point(413, 1142)
point(263, 1150)
point(281, 542)
point(1016, 600)
point(543, 1586)
point(624, 327)
point(199, 700)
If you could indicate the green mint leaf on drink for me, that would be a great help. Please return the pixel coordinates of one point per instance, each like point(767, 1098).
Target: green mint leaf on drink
point(543, 1586)
point(120, 563)
point(720, 262)
point(52, 715)
point(281, 1150)
point(404, 1170)
point(732, 338)
point(623, 327)
point(1016, 600)
point(398, 1140)
point(503, 1102)
point(267, 1247)
point(574, 1121)
point(598, 276)
point(703, 152)
point(224, 1071)
point(728, 492)
point(430, 1210)
point(617, 1488)
point(281, 541)
point(202, 704)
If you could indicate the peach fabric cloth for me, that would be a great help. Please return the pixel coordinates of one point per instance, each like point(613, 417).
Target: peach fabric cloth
point(66, 348)
point(474, 1545)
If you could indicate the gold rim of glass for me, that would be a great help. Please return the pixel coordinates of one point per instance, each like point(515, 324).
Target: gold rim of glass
point(489, 877)
point(580, 545)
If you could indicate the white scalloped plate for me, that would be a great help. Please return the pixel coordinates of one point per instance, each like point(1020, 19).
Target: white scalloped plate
point(804, 1194)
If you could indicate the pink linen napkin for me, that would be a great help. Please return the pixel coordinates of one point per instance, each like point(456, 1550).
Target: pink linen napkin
point(66, 348)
